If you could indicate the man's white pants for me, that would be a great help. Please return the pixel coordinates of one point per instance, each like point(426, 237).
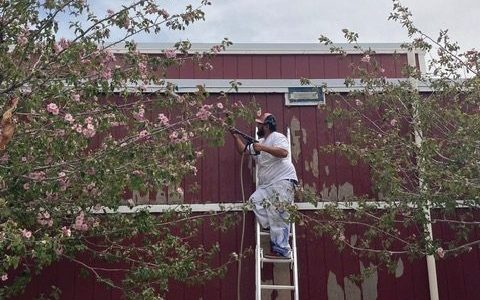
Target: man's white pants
point(269, 205)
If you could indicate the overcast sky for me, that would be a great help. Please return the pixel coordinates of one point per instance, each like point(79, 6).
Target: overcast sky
point(305, 20)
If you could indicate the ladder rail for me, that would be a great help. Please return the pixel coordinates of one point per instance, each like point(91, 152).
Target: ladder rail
point(258, 269)
point(294, 232)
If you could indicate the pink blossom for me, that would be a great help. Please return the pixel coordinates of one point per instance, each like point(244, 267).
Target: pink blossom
point(88, 120)
point(80, 222)
point(170, 53)
point(194, 170)
point(26, 233)
point(163, 120)
point(59, 251)
point(180, 191)
point(358, 102)
point(26, 186)
point(152, 9)
point(140, 115)
point(106, 74)
point(57, 48)
point(53, 109)
point(89, 131)
point(37, 176)
point(69, 118)
point(22, 38)
point(126, 23)
point(43, 218)
point(206, 66)
point(24, 159)
point(259, 112)
point(110, 12)
point(440, 252)
point(77, 128)
point(393, 122)
point(66, 231)
point(173, 136)
point(204, 112)
point(366, 58)
point(220, 105)
point(64, 43)
point(142, 68)
point(137, 173)
point(341, 237)
point(216, 49)
point(143, 134)
point(164, 13)
point(76, 97)
point(382, 70)
point(4, 277)
point(62, 181)
point(109, 56)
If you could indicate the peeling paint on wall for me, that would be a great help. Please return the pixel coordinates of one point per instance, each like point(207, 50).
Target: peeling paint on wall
point(329, 194)
point(312, 166)
point(352, 291)
point(399, 269)
point(353, 239)
point(342, 193)
point(367, 290)
point(369, 285)
point(139, 198)
point(334, 290)
point(296, 133)
point(310, 188)
point(345, 191)
point(161, 198)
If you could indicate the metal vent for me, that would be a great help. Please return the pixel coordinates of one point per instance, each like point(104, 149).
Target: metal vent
point(304, 96)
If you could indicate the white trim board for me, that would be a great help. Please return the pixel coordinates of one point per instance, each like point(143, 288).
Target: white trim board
point(273, 48)
point(233, 207)
point(265, 85)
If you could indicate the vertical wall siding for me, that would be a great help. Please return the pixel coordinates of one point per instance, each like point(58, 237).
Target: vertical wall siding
point(323, 269)
point(331, 174)
point(292, 66)
point(323, 273)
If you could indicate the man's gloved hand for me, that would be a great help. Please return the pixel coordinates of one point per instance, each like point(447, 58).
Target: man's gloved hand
point(257, 147)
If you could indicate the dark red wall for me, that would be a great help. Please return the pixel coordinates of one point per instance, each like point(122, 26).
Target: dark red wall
point(286, 66)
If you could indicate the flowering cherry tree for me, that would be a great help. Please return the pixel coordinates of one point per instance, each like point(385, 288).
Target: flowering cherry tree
point(422, 150)
point(79, 130)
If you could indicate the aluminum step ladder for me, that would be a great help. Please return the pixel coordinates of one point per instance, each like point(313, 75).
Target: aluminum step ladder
point(261, 259)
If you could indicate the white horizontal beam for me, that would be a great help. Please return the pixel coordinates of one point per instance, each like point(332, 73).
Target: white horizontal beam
point(215, 207)
point(234, 207)
point(272, 48)
point(266, 85)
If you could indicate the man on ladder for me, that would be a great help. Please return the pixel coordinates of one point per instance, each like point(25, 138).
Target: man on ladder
point(276, 182)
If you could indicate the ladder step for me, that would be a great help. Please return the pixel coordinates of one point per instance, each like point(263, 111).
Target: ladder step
point(276, 260)
point(277, 287)
point(263, 233)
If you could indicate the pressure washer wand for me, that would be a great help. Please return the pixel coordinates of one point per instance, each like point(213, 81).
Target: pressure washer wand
point(248, 139)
